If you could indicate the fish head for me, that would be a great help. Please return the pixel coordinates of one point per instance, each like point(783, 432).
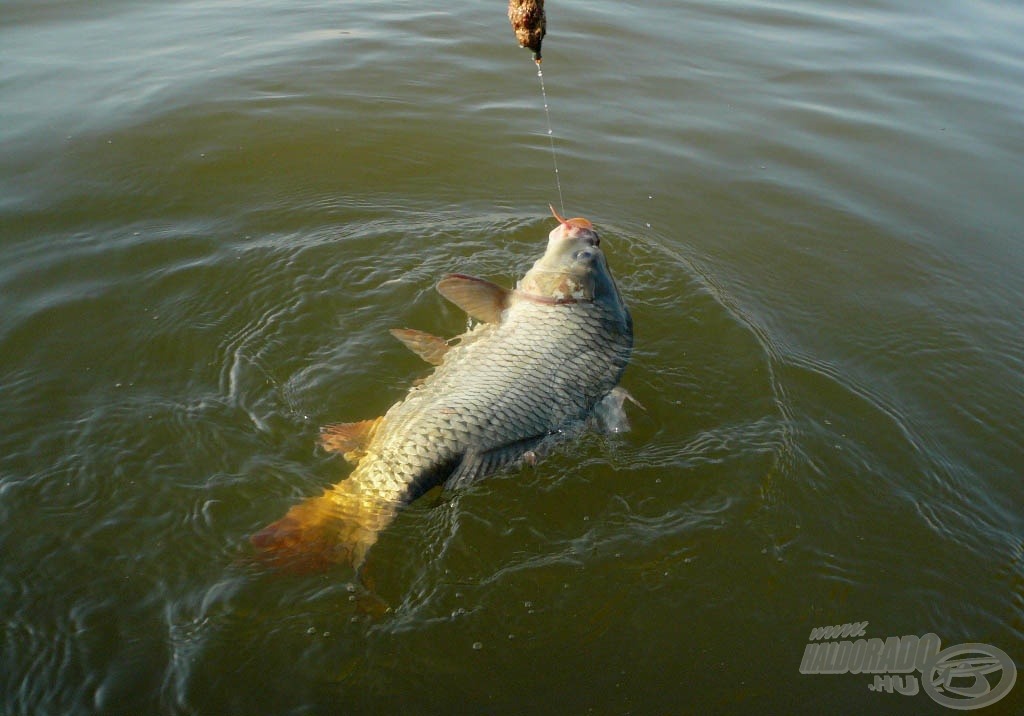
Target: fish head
point(573, 268)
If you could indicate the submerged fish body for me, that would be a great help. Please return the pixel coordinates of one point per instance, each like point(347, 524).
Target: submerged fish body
point(545, 355)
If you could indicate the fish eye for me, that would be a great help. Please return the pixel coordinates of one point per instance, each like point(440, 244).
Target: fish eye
point(583, 255)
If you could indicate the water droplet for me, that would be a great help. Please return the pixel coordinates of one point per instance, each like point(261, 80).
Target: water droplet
point(478, 645)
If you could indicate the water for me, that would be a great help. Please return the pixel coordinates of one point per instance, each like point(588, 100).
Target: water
point(211, 213)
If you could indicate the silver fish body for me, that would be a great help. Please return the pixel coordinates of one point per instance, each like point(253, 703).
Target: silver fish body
point(503, 391)
point(530, 375)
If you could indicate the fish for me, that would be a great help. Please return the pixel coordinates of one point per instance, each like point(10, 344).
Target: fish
point(541, 364)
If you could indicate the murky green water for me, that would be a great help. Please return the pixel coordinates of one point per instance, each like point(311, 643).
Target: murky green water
point(211, 213)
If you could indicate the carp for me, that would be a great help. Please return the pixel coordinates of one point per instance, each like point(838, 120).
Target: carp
point(543, 360)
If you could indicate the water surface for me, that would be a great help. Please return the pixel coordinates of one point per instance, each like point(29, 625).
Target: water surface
point(211, 213)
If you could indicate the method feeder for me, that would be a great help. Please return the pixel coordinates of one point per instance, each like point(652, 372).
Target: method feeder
point(530, 24)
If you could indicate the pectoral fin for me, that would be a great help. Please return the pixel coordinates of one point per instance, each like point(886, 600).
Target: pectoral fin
point(349, 439)
point(481, 299)
point(610, 413)
point(477, 464)
point(428, 347)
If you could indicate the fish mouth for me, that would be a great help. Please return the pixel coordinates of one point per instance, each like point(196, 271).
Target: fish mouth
point(577, 228)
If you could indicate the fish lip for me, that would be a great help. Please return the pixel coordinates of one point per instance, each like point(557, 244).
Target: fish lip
point(577, 228)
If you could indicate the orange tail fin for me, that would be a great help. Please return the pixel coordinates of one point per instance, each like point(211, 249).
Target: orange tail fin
point(332, 529)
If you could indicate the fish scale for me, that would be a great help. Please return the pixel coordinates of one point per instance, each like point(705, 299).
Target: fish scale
point(505, 402)
point(529, 376)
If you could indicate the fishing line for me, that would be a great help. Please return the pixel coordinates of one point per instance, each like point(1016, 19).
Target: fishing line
point(551, 137)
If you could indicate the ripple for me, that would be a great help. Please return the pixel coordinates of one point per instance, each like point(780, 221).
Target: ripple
point(812, 210)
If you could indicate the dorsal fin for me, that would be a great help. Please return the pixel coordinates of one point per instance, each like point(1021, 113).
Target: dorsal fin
point(349, 439)
point(481, 299)
point(428, 347)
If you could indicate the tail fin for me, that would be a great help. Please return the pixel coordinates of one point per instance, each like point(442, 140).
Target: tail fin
point(335, 528)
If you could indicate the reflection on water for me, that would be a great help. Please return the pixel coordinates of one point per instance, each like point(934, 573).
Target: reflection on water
point(211, 216)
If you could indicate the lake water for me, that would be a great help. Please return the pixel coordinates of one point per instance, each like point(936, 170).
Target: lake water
point(212, 211)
